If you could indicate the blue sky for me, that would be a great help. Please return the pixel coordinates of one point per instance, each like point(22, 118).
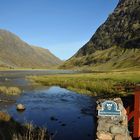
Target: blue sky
point(62, 26)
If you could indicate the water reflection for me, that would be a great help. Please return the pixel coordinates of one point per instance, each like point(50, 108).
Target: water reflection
point(68, 115)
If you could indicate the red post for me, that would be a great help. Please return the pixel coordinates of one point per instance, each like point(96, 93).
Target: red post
point(136, 132)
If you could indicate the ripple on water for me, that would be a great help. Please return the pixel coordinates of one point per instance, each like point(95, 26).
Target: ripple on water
point(65, 113)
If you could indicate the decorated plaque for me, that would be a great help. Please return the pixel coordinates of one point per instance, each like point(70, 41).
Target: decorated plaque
point(109, 108)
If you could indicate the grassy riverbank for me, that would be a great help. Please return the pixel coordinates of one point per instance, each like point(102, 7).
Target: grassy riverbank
point(10, 90)
point(12, 130)
point(101, 83)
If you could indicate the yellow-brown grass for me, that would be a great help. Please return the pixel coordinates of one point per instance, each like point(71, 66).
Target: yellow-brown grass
point(10, 90)
point(12, 130)
point(4, 117)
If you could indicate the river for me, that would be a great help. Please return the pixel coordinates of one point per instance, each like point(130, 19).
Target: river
point(66, 114)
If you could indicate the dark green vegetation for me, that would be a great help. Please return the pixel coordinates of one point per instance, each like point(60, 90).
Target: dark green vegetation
point(116, 43)
point(15, 53)
point(12, 130)
point(107, 83)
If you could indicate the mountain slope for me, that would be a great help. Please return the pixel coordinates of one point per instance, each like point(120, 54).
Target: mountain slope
point(116, 43)
point(16, 53)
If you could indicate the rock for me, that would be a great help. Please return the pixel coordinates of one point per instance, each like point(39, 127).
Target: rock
point(53, 118)
point(120, 106)
point(103, 126)
point(20, 107)
point(99, 107)
point(117, 129)
point(118, 101)
point(104, 136)
point(124, 112)
point(122, 137)
point(118, 119)
point(63, 124)
point(125, 122)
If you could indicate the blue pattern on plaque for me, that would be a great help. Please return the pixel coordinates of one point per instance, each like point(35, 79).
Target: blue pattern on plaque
point(109, 108)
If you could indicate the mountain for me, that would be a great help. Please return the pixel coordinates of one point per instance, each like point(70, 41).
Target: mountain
point(115, 44)
point(15, 53)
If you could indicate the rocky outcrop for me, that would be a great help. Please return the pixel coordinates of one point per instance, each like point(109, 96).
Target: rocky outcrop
point(116, 43)
point(122, 28)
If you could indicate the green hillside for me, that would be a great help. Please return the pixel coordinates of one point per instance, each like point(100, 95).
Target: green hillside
point(115, 44)
point(15, 53)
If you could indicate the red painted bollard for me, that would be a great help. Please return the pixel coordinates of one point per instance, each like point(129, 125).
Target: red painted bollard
point(136, 131)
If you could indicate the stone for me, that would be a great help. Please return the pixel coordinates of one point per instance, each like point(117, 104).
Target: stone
point(118, 119)
point(125, 122)
point(99, 107)
point(118, 101)
point(120, 106)
point(103, 126)
point(104, 135)
point(53, 118)
point(124, 112)
point(115, 129)
point(113, 120)
point(20, 107)
point(122, 137)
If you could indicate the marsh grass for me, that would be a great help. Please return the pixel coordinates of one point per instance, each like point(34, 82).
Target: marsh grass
point(12, 130)
point(4, 116)
point(10, 90)
point(105, 83)
point(31, 133)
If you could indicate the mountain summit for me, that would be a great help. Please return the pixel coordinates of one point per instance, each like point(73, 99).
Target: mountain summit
point(116, 43)
point(16, 53)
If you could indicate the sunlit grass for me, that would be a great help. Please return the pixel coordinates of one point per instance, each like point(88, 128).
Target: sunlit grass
point(92, 83)
point(4, 117)
point(10, 90)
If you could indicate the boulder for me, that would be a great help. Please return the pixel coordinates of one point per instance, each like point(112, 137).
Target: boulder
point(20, 107)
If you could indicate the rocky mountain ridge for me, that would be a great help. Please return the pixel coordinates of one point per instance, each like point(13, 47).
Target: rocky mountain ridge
point(115, 43)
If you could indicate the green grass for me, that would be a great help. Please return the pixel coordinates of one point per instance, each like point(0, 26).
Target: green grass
point(105, 83)
point(105, 60)
point(10, 90)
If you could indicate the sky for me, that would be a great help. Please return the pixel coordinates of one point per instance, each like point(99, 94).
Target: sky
point(62, 26)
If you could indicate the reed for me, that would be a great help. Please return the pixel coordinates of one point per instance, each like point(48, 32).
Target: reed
point(12, 130)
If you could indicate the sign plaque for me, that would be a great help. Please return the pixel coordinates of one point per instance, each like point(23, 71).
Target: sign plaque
point(109, 108)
